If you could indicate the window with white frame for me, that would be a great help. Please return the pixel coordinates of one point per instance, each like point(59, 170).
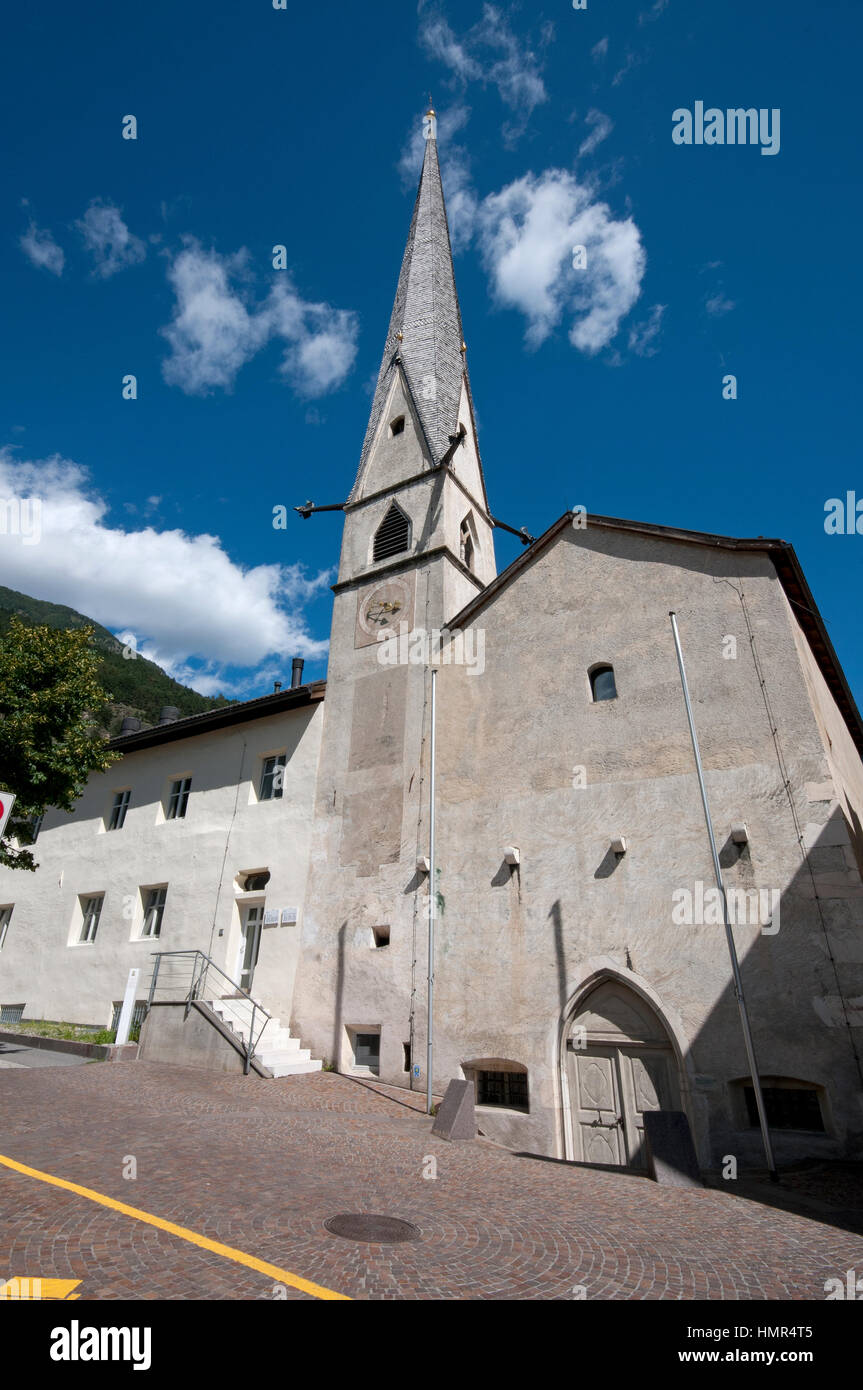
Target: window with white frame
point(272, 777)
point(178, 799)
point(91, 911)
point(154, 910)
point(5, 916)
point(117, 817)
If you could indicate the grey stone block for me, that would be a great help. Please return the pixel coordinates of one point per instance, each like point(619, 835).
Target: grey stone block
point(456, 1119)
point(671, 1157)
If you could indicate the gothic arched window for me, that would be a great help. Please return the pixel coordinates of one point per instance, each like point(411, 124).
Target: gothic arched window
point(393, 535)
point(466, 545)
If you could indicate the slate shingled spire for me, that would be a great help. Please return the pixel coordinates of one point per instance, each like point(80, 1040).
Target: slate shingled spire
point(426, 314)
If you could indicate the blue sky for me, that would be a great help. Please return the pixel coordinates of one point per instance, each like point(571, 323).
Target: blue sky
point(301, 127)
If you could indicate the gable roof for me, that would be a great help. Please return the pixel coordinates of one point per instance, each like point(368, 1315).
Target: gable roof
point(785, 562)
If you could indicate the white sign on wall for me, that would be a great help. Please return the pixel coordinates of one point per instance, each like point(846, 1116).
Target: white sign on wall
point(289, 914)
point(7, 801)
point(271, 916)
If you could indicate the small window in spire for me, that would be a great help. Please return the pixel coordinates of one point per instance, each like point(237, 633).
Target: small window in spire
point(397, 426)
point(393, 535)
point(466, 545)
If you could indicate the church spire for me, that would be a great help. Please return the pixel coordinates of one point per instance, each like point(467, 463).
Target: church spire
point(424, 341)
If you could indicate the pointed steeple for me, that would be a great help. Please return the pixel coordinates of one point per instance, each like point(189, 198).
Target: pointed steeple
point(424, 343)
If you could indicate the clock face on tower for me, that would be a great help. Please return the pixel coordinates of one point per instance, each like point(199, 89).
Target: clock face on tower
point(383, 609)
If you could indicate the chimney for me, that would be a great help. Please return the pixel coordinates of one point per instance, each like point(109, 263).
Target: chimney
point(168, 714)
point(277, 685)
point(130, 725)
point(296, 672)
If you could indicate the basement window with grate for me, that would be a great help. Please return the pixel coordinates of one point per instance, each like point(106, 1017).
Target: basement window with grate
point(393, 535)
point(789, 1105)
point(506, 1088)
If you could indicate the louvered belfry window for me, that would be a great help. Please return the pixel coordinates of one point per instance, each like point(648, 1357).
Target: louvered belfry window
point(393, 535)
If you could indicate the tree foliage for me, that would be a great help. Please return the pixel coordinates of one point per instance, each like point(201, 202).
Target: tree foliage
point(49, 744)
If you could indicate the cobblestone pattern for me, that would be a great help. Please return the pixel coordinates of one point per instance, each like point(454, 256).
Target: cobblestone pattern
point(260, 1165)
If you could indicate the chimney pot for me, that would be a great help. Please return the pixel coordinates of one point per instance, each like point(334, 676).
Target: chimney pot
point(297, 672)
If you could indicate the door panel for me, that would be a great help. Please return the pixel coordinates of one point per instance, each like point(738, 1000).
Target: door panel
point(250, 945)
point(646, 1085)
point(596, 1099)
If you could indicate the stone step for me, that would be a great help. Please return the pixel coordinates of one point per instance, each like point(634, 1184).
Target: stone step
point(283, 1054)
point(291, 1068)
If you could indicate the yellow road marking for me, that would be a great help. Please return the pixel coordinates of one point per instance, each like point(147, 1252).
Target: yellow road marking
point(282, 1276)
point(21, 1286)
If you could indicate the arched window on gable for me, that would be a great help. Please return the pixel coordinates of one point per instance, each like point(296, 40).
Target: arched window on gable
point(602, 686)
point(393, 535)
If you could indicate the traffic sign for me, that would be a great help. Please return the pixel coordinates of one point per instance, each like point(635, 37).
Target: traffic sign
point(7, 801)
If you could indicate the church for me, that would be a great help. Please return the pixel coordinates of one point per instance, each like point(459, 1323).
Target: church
point(274, 856)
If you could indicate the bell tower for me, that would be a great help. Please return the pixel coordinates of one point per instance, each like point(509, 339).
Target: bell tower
point(417, 546)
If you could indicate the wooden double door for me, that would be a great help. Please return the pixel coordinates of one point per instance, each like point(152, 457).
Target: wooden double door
point(620, 1063)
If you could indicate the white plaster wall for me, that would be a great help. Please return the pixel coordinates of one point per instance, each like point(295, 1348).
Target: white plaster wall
point(226, 831)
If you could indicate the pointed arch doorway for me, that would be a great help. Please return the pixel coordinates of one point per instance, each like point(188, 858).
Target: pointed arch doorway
point(619, 1062)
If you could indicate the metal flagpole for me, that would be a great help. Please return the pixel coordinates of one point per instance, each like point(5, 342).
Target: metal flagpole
point(432, 900)
point(732, 949)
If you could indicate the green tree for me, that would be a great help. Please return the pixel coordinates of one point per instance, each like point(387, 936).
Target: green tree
point(49, 687)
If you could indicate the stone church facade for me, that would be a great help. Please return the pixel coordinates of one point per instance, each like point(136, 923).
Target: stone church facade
point(580, 976)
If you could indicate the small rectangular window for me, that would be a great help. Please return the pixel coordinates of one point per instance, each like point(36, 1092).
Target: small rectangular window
point(91, 909)
point(382, 936)
point(5, 916)
point(119, 809)
point(367, 1050)
point(787, 1107)
point(508, 1088)
point(407, 1061)
point(179, 798)
point(154, 910)
point(273, 777)
point(35, 825)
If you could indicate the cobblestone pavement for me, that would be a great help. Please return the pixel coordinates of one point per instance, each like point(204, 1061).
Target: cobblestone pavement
point(260, 1165)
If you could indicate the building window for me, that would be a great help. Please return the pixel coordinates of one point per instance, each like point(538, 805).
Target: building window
point(466, 547)
point(154, 909)
point(118, 811)
point(507, 1088)
point(393, 535)
point(602, 686)
point(256, 882)
point(12, 1013)
point(91, 909)
point(407, 1056)
point(367, 1051)
point(273, 777)
point(34, 825)
point(179, 798)
point(397, 426)
point(382, 936)
point(5, 916)
point(790, 1105)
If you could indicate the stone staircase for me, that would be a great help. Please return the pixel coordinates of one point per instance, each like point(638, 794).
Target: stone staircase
point(276, 1049)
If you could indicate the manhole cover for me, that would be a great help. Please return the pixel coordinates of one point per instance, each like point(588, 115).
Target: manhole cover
point(383, 1230)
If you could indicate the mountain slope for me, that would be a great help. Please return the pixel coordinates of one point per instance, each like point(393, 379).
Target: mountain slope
point(136, 686)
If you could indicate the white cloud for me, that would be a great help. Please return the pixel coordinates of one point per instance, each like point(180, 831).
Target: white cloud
point(648, 16)
point(491, 54)
point(718, 304)
point(181, 595)
point(644, 336)
point(631, 61)
point(601, 127)
point(599, 50)
point(40, 247)
point(216, 329)
point(527, 233)
point(109, 240)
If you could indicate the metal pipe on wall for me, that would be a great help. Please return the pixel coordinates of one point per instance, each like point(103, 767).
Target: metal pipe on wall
point(432, 899)
point(729, 935)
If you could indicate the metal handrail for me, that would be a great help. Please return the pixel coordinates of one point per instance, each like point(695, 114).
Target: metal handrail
point(202, 965)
